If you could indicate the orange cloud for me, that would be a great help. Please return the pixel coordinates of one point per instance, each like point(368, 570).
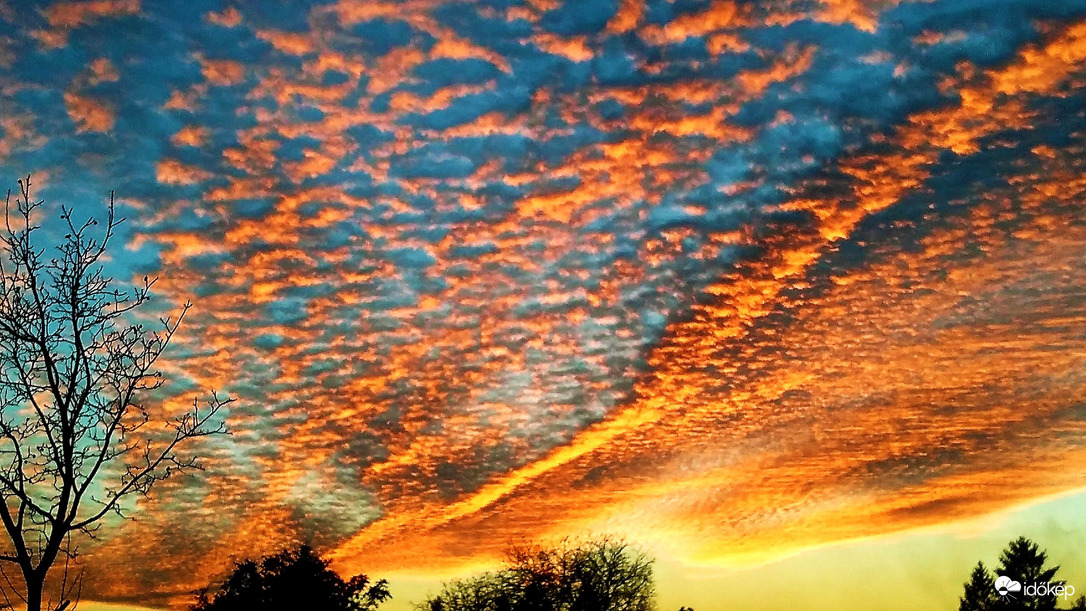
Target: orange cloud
point(793, 402)
point(75, 14)
point(190, 135)
point(786, 406)
point(229, 18)
point(862, 14)
point(222, 71)
point(88, 114)
point(173, 172)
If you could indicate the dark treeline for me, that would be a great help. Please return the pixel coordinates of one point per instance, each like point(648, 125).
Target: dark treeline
point(599, 575)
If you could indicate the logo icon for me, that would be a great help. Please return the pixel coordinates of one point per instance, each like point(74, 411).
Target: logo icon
point(1005, 585)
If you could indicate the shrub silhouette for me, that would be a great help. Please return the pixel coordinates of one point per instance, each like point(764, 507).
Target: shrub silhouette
point(292, 580)
point(603, 575)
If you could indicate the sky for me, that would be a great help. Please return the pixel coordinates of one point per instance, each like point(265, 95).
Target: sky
point(779, 291)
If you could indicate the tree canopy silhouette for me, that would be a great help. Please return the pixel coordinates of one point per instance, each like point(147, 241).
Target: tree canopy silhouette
point(74, 371)
point(980, 593)
point(604, 575)
point(1021, 565)
point(291, 580)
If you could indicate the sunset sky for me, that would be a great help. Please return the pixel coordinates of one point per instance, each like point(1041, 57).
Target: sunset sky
point(789, 293)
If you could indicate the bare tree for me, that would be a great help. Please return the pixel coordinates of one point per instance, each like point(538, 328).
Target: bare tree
point(75, 366)
point(598, 575)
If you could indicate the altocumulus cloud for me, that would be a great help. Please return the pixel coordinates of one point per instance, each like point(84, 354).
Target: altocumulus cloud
point(686, 262)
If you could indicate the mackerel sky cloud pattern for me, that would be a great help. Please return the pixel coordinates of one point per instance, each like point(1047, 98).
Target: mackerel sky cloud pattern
point(732, 278)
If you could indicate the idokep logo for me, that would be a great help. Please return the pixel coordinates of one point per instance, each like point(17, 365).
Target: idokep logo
point(1007, 587)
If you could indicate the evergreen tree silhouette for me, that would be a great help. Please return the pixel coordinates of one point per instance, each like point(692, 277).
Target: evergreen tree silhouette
point(1024, 562)
point(980, 594)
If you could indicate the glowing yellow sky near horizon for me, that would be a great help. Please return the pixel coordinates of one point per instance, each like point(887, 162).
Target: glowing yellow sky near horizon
point(913, 570)
point(922, 569)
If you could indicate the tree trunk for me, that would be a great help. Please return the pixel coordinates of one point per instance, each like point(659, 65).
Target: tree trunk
point(34, 587)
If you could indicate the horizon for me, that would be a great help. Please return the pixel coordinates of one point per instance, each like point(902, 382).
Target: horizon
point(762, 288)
point(798, 576)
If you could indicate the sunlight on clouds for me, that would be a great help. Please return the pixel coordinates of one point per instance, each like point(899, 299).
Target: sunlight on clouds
point(736, 280)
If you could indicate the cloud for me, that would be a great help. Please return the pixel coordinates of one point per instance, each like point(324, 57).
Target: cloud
point(717, 275)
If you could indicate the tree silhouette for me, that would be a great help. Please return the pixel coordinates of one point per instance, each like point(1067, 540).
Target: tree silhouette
point(1023, 563)
point(292, 580)
point(611, 576)
point(488, 592)
point(74, 369)
point(980, 593)
point(604, 575)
